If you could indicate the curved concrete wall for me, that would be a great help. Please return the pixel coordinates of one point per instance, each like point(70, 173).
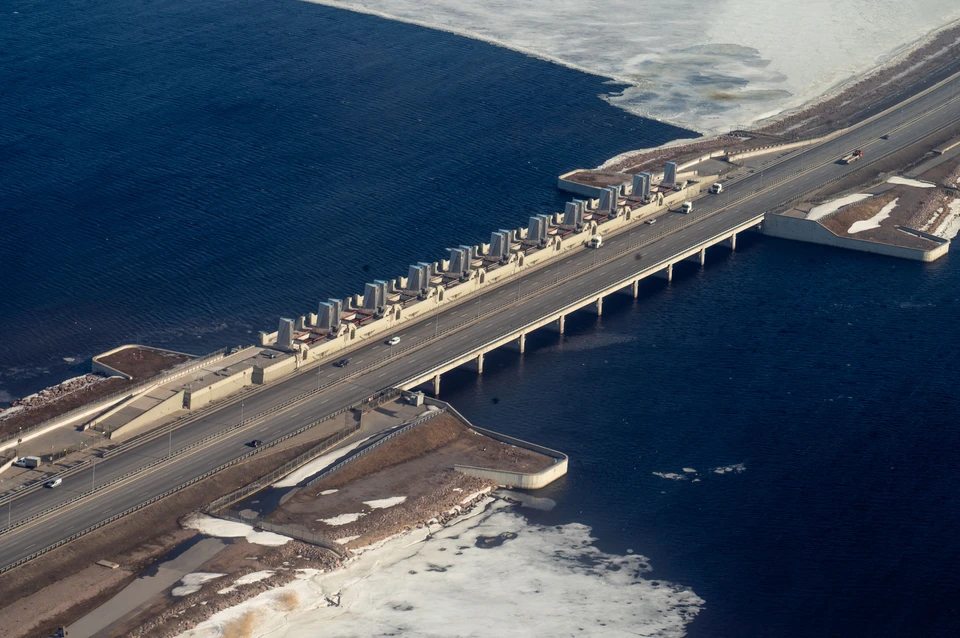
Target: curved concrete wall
point(809, 230)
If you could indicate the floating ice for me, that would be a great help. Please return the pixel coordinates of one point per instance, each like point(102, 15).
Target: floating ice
point(686, 63)
point(873, 222)
point(385, 502)
point(343, 519)
point(414, 587)
point(725, 469)
point(670, 475)
point(230, 529)
point(689, 470)
point(193, 582)
point(906, 181)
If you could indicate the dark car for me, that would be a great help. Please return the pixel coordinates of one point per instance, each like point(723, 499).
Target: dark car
point(342, 362)
point(256, 443)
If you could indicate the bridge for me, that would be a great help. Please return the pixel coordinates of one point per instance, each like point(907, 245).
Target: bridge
point(461, 334)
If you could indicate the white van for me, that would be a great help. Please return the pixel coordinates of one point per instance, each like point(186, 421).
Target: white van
point(55, 482)
point(596, 241)
point(686, 208)
point(393, 341)
point(716, 188)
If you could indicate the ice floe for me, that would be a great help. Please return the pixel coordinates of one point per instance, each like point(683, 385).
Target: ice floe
point(726, 469)
point(684, 63)
point(424, 583)
point(670, 475)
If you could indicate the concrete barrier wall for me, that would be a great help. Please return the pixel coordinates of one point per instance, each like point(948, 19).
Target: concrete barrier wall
point(93, 423)
point(524, 480)
point(7, 464)
point(137, 424)
point(226, 386)
point(809, 230)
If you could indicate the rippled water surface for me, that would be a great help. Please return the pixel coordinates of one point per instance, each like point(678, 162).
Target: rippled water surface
point(182, 173)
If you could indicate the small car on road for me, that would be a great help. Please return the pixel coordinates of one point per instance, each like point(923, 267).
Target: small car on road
point(394, 340)
point(651, 221)
point(342, 363)
point(255, 443)
point(54, 483)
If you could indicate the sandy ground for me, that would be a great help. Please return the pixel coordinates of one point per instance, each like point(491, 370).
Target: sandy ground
point(417, 465)
point(134, 542)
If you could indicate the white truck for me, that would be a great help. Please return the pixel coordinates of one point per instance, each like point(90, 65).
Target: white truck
point(716, 188)
point(596, 241)
point(686, 208)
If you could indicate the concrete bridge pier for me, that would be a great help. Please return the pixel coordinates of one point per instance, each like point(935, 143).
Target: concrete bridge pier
point(636, 288)
point(522, 343)
point(561, 323)
point(479, 363)
point(731, 241)
point(666, 273)
point(598, 306)
point(699, 257)
point(436, 385)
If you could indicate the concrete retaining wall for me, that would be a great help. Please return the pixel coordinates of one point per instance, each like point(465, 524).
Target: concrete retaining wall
point(272, 372)
point(226, 386)
point(505, 478)
point(162, 409)
point(809, 230)
point(93, 423)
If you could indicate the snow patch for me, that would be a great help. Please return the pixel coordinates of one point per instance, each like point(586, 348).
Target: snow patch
point(231, 529)
point(950, 226)
point(342, 519)
point(191, 583)
point(328, 492)
point(821, 211)
point(347, 539)
point(254, 577)
point(873, 222)
point(317, 465)
point(906, 181)
point(384, 503)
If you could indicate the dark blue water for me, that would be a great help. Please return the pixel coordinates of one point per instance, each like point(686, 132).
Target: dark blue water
point(180, 173)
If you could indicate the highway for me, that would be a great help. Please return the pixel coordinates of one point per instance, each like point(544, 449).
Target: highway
point(457, 330)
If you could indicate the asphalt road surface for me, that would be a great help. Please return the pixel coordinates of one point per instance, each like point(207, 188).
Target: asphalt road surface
point(457, 330)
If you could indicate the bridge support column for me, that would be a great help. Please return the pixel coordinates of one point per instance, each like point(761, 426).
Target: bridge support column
point(666, 273)
point(732, 241)
point(598, 306)
point(561, 322)
point(436, 386)
point(699, 257)
point(522, 343)
point(480, 363)
point(636, 289)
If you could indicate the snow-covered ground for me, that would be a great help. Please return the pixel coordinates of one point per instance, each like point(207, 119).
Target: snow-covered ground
point(951, 225)
point(416, 586)
point(317, 465)
point(873, 222)
point(229, 529)
point(703, 65)
point(818, 212)
point(193, 582)
point(906, 181)
point(342, 519)
point(382, 503)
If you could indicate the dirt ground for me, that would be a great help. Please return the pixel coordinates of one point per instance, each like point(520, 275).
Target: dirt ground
point(128, 361)
point(169, 616)
point(143, 363)
point(910, 201)
point(33, 416)
point(134, 542)
point(417, 465)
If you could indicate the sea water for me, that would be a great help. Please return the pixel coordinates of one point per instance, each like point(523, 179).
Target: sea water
point(181, 173)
